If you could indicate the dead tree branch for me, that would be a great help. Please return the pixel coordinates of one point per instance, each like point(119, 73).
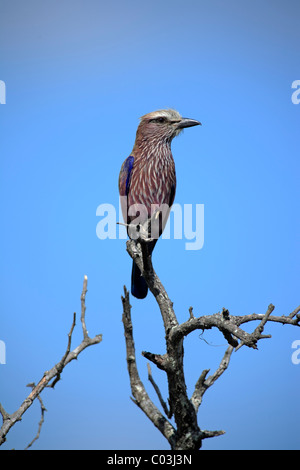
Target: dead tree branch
point(187, 435)
point(43, 409)
point(158, 392)
point(50, 377)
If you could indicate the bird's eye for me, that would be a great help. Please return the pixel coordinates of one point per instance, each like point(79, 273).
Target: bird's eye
point(159, 119)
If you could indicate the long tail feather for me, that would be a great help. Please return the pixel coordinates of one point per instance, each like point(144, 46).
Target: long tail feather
point(139, 286)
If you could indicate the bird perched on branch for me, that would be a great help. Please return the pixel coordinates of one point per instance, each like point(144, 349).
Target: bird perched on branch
point(147, 182)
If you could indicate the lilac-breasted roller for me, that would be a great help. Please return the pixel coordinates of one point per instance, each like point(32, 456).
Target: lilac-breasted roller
point(147, 179)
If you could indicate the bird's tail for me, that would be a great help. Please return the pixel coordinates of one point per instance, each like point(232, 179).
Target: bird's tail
point(139, 286)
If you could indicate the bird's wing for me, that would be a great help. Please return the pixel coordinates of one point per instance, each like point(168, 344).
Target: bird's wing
point(124, 177)
point(124, 185)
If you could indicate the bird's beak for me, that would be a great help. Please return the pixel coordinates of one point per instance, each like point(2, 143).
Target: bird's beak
point(186, 122)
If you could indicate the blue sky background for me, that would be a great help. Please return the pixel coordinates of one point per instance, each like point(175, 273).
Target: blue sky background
point(79, 74)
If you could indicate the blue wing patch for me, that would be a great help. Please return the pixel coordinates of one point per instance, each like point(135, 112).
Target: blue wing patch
point(128, 166)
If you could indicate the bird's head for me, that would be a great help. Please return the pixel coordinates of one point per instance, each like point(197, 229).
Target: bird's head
point(163, 125)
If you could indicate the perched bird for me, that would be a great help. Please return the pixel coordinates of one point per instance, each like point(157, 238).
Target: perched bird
point(147, 178)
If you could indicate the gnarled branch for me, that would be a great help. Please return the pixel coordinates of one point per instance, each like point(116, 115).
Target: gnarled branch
point(187, 435)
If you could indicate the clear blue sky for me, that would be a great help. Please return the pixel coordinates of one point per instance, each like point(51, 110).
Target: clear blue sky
point(78, 75)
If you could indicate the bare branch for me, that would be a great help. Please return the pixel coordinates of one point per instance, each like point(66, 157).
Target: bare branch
point(191, 313)
point(83, 308)
point(53, 374)
point(43, 409)
point(295, 313)
point(61, 363)
point(188, 435)
point(140, 395)
point(207, 434)
point(156, 388)
point(3, 413)
point(284, 320)
point(138, 252)
point(229, 326)
point(160, 361)
point(204, 383)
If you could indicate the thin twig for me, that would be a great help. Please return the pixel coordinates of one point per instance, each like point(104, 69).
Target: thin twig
point(295, 312)
point(61, 364)
point(83, 308)
point(204, 383)
point(156, 388)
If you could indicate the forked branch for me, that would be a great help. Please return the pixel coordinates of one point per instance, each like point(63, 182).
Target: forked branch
point(50, 377)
